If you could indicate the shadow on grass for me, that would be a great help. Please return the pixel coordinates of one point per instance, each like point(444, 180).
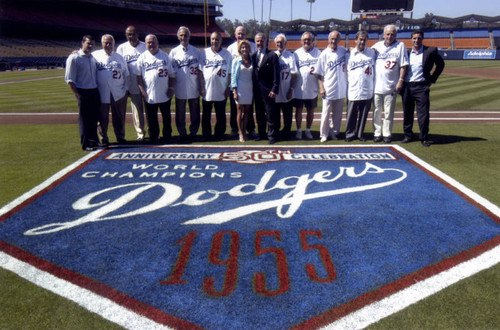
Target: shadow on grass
point(440, 139)
point(449, 139)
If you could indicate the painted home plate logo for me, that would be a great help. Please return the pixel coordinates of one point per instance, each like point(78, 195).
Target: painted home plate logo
point(234, 237)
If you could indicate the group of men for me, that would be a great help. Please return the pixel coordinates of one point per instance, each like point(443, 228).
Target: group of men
point(376, 75)
point(283, 80)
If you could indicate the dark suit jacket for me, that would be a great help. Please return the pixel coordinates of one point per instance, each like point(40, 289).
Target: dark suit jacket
point(267, 76)
point(430, 59)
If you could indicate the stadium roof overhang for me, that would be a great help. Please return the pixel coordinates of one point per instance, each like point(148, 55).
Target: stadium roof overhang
point(429, 21)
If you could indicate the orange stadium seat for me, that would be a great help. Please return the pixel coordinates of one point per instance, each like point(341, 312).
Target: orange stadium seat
point(472, 43)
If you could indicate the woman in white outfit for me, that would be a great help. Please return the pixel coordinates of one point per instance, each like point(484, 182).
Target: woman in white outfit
point(242, 86)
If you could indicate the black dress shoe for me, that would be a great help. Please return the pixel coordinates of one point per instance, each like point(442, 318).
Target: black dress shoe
point(426, 143)
point(387, 140)
point(362, 139)
point(271, 141)
point(377, 139)
point(406, 140)
point(349, 139)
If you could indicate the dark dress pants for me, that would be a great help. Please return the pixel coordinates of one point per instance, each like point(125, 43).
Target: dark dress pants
point(287, 109)
point(220, 119)
point(416, 94)
point(357, 113)
point(273, 118)
point(89, 105)
point(152, 117)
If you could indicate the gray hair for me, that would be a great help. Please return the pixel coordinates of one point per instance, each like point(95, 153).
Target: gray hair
point(185, 28)
point(308, 33)
point(281, 35)
point(107, 36)
point(391, 26)
point(262, 35)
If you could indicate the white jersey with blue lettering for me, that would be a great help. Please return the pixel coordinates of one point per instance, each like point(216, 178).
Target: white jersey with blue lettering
point(186, 63)
point(216, 68)
point(112, 75)
point(287, 69)
point(155, 71)
point(332, 66)
point(130, 54)
point(361, 74)
point(307, 80)
point(390, 59)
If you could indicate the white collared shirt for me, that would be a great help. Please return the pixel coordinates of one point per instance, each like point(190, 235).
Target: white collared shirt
point(81, 70)
point(415, 71)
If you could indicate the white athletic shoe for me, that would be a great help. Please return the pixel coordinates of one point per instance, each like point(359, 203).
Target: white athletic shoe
point(308, 135)
point(323, 139)
point(298, 136)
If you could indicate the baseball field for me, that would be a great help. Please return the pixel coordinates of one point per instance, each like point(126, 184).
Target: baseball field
point(39, 137)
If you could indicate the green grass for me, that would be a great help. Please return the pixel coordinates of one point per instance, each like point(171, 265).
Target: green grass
point(30, 154)
point(473, 64)
point(53, 95)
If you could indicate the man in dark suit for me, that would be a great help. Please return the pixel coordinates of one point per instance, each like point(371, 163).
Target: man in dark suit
point(266, 87)
point(417, 85)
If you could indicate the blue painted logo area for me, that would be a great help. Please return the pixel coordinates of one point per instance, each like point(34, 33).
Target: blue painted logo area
point(479, 54)
point(232, 237)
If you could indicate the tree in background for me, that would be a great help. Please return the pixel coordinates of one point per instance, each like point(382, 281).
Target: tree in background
point(251, 26)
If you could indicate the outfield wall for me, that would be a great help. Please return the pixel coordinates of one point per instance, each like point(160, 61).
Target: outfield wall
point(471, 54)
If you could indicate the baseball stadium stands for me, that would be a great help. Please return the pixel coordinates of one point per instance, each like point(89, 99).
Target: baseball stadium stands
point(37, 31)
point(43, 33)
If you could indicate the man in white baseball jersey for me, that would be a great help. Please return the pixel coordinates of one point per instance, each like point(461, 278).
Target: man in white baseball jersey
point(361, 80)
point(112, 77)
point(156, 79)
point(216, 68)
point(131, 50)
point(332, 86)
point(288, 76)
point(306, 87)
point(240, 35)
point(188, 86)
point(390, 70)
point(81, 69)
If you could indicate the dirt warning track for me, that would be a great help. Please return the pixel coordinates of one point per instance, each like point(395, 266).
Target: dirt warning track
point(458, 116)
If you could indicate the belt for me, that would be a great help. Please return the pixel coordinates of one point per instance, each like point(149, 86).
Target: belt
point(417, 83)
